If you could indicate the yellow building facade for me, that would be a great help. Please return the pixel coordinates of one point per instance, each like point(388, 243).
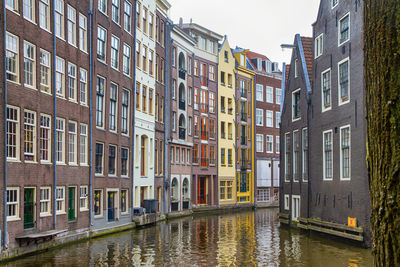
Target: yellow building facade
point(226, 125)
point(244, 94)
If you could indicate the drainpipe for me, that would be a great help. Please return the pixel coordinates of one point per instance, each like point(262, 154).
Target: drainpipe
point(253, 142)
point(5, 129)
point(134, 112)
point(191, 167)
point(237, 176)
point(216, 152)
point(55, 119)
point(90, 114)
point(167, 102)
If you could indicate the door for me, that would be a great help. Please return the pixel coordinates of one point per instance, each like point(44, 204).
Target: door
point(29, 206)
point(142, 195)
point(111, 206)
point(71, 203)
point(202, 190)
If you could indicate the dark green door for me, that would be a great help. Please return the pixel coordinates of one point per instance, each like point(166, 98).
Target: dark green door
point(71, 203)
point(29, 207)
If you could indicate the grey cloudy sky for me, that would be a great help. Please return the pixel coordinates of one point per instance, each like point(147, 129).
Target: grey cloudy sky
point(259, 25)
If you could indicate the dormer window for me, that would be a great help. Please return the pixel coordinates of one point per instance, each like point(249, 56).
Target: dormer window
point(211, 47)
point(203, 43)
point(242, 60)
point(259, 64)
point(334, 3)
point(268, 66)
point(226, 56)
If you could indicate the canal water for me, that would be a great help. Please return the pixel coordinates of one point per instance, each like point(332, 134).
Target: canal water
point(251, 238)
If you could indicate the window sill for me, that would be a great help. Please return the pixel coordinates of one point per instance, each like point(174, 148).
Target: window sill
point(13, 219)
point(61, 38)
point(44, 215)
point(112, 176)
point(13, 160)
point(61, 213)
point(16, 83)
point(61, 163)
point(46, 163)
point(30, 162)
point(98, 216)
point(85, 209)
point(99, 175)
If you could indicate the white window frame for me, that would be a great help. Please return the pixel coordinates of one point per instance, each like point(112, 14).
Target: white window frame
point(17, 134)
point(126, 59)
point(304, 154)
point(333, 5)
point(30, 126)
point(101, 42)
point(83, 144)
point(45, 126)
point(325, 107)
point(100, 202)
point(127, 17)
point(349, 29)
point(100, 95)
point(83, 40)
point(12, 52)
point(295, 157)
point(286, 147)
point(277, 119)
point(72, 82)
point(114, 54)
point(115, 158)
point(127, 162)
point(286, 202)
point(60, 199)
point(260, 142)
point(293, 93)
point(323, 155)
point(59, 13)
point(296, 68)
point(83, 82)
point(32, 62)
point(341, 153)
point(278, 96)
point(269, 94)
point(125, 109)
point(83, 197)
point(294, 211)
point(100, 5)
point(14, 7)
point(340, 102)
point(126, 201)
point(44, 14)
point(269, 120)
point(277, 144)
point(72, 143)
point(60, 77)
point(28, 7)
point(71, 25)
point(45, 201)
point(259, 92)
point(113, 108)
point(271, 137)
point(115, 11)
point(319, 45)
point(16, 203)
point(60, 133)
point(259, 112)
point(45, 71)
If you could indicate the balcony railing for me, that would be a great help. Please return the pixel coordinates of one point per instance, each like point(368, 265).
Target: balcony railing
point(243, 116)
point(182, 104)
point(182, 73)
point(182, 133)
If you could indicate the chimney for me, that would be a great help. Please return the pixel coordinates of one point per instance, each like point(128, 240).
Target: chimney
point(180, 22)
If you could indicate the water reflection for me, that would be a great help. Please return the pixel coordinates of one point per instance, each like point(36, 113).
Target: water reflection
point(240, 239)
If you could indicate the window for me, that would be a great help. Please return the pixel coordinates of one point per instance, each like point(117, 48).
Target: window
point(115, 11)
point(242, 59)
point(12, 203)
point(151, 25)
point(296, 105)
point(113, 107)
point(127, 16)
point(103, 6)
point(59, 18)
point(60, 199)
point(83, 198)
point(124, 200)
point(12, 4)
point(173, 88)
point(203, 42)
point(29, 10)
point(72, 142)
point(270, 144)
point(222, 78)
point(101, 43)
point(259, 92)
point(83, 33)
point(13, 134)
point(83, 86)
point(223, 156)
point(190, 126)
point(328, 155)
point(211, 72)
point(45, 138)
point(211, 101)
point(226, 56)
point(98, 202)
point(269, 118)
point(277, 119)
point(144, 59)
point(29, 65)
point(137, 58)
point(196, 67)
point(143, 156)
point(319, 44)
point(125, 112)
point(144, 98)
point(60, 76)
point(296, 146)
point(211, 46)
point(334, 3)
point(114, 52)
point(126, 60)
point(124, 161)
point(45, 71)
point(277, 145)
point(225, 190)
point(287, 157)
point(344, 86)
point(45, 202)
point(344, 29)
point(260, 142)
point(144, 18)
point(151, 101)
point(345, 153)
point(99, 158)
point(112, 150)
point(29, 135)
point(83, 144)
point(138, 14)
point(295, 207)
point(173, 121)
point(137, 99)
point(269, 92)
point(72, 82)
point(60, 135)
point(326, 89)
point(230, 157)
point(259, 117)
point(151, 65)
point(12, 57)
point(71, 25)
point(100, 101)
point(278, 96)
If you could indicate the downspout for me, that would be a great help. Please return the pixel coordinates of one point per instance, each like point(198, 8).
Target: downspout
point(237, 176)
point(90, 114)
point(282, 140)
point(253, 141)
point(134, 112)
point(216, 152)
point(55, 119)
point(5, 129)
point(193, 184)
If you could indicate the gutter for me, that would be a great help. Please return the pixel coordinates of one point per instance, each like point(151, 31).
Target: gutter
point(90, 115)
point(134, 112)
point(5, 243)
point(55, 119)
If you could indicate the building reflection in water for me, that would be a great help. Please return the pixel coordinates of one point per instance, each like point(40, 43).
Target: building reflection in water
point(232, 239)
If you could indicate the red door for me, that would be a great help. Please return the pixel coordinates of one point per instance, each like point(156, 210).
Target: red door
point(202, 191)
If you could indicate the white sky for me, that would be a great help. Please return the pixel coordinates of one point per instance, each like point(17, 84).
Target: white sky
point(259, 25)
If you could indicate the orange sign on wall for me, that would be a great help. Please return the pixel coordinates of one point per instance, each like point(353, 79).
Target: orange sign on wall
point(352, 222)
